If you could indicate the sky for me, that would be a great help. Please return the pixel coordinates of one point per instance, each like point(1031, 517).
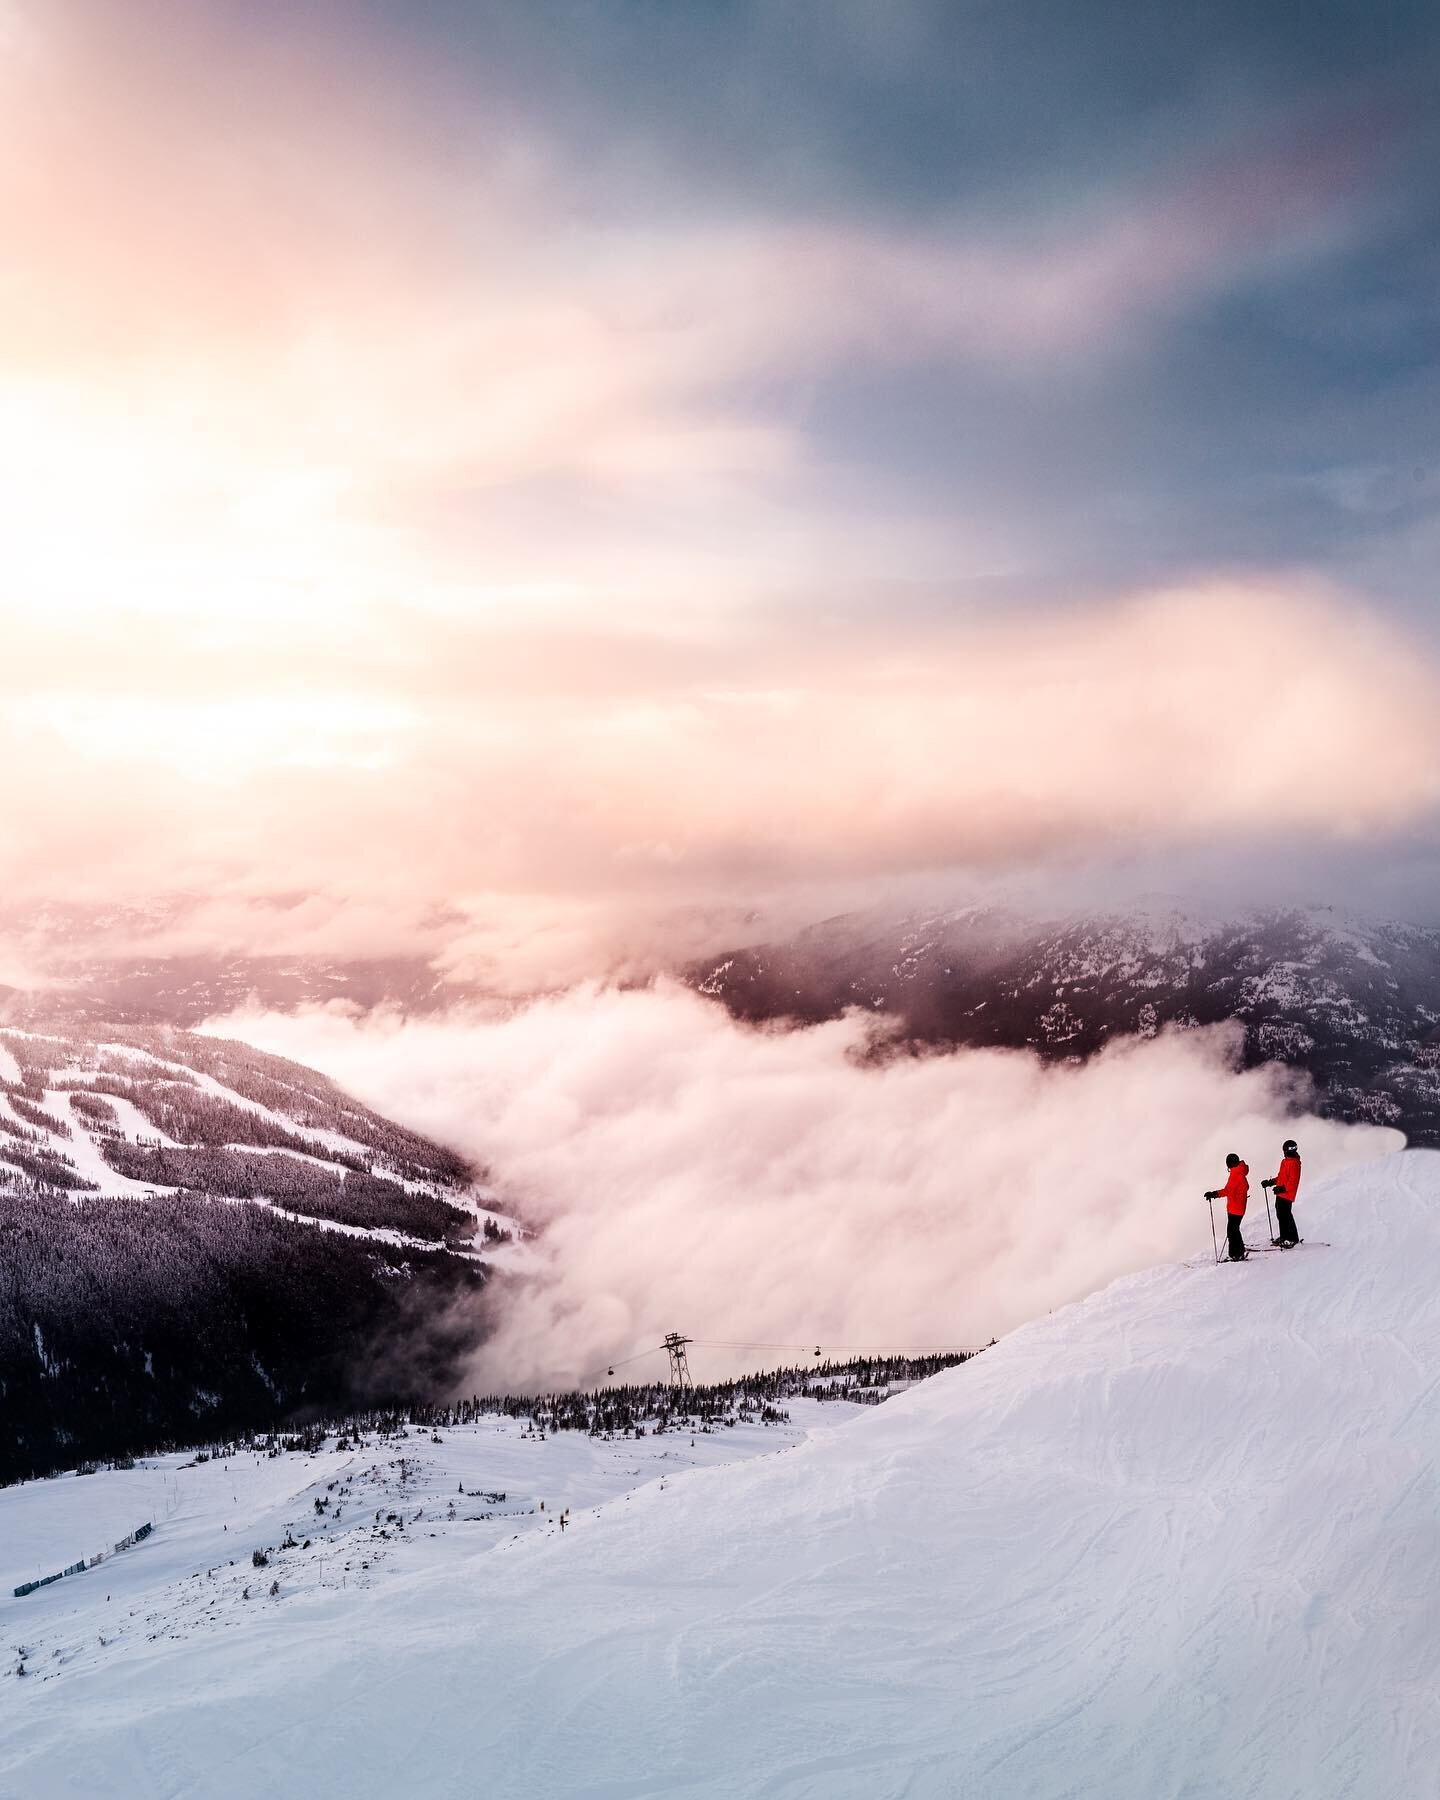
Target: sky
point(558, 481)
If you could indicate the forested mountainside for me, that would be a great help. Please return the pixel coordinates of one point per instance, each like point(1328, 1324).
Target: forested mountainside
point(198, 1237)
point(1355, 1003)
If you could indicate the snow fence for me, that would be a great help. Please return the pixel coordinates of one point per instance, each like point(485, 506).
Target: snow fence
point(88, 1562)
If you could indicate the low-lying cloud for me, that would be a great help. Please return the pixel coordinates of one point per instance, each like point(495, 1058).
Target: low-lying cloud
point(781, 1187)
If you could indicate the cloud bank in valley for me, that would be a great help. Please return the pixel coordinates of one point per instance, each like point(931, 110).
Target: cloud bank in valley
point(776, 1186)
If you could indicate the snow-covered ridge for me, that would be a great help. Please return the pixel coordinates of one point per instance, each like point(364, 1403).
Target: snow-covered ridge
point(1353, 1002)
point(1176, 1541)
point(209, 1238)
point(104, 1115)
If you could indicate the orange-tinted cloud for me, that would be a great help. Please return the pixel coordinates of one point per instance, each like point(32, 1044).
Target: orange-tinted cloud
point(284, 319)
point(564, 770)
point(381, 523)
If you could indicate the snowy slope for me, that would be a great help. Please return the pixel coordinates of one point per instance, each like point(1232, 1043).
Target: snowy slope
point(389, 1500)
point(230, 1100)
point(1180, 1540)
point(207, 1238)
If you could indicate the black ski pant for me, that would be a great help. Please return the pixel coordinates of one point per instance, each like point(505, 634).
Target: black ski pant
point(1288, 1233)
point(1233, 1237)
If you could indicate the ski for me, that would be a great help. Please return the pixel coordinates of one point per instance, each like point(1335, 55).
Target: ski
point(1262, 1250)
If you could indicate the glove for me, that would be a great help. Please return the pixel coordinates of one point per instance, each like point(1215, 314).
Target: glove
point(1212, 1193)
point(1267, 1183)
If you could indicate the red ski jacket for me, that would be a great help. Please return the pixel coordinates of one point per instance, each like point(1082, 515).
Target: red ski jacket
point(1236, 1190)
point(1287, 1182)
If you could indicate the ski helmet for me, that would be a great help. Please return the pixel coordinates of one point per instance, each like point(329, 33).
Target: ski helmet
point(1289, 1148)
point(1231, 1160)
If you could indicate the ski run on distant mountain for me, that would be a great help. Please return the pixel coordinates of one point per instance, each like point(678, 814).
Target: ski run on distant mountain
point(195, 1236)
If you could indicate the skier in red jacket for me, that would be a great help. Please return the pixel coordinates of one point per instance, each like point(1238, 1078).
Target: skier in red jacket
point(1287, 1186)
point(1235, 1193)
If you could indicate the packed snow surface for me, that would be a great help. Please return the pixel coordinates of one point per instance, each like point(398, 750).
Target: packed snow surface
point(1182, 1539)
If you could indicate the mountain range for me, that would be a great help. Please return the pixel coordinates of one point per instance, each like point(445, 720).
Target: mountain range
point(198, 1238)
point(1355, 1003)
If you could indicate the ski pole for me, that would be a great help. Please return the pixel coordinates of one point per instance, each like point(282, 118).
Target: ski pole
point(1214, 1241)
point(1268, 1220)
